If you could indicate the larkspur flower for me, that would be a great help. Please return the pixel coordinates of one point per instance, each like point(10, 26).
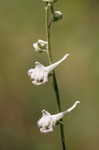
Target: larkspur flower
point(40, 46)
point(48, 121)
point(39, 75)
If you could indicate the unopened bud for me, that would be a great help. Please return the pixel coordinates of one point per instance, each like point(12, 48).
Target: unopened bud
point(50, 1)
point(43, 44)
point(57, 15)
point(40, 46)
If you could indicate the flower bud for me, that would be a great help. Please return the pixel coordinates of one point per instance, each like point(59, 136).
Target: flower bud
point(50, 1)
point(40, 46)
point(57, 15)
point(43, 44)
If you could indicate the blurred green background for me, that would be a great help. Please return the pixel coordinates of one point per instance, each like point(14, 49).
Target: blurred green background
point(22, 23)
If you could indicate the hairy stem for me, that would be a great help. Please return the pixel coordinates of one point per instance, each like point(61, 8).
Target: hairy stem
point(55, 85)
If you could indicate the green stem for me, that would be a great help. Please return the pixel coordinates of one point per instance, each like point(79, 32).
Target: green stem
point(55, 85)
point(48, 27)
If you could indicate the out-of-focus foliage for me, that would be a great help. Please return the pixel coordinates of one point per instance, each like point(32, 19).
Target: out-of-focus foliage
point(21, 23)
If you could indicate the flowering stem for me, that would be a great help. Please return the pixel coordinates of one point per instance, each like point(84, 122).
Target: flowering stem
point(55, 85)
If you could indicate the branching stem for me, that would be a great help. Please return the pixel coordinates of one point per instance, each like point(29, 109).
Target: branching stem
point(55, 85)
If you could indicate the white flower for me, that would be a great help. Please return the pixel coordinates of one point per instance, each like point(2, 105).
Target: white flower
point(40, 46)
point(48, 121)
point(39, 74)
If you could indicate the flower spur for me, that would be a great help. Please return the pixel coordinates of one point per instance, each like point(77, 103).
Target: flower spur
point(39, 74)
point(48, 121)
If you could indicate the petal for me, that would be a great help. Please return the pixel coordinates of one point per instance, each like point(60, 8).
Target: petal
point(35, 46)
point(42, 44)
point(36, 83)
point(57, 117)
point(45, 77)
point(44, 112)
point(44, 130)
point(30, 71)
point(39, 65)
